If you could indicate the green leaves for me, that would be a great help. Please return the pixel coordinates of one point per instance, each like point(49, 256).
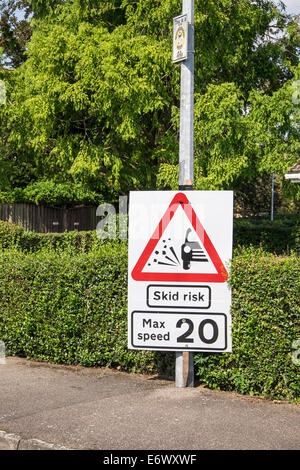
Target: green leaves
point(74, 310)
point(69, 307)
point(49, 193)
point(96, 102)
point(275, 128)
point(221, 152)
point(236, 140)
point(266, 315)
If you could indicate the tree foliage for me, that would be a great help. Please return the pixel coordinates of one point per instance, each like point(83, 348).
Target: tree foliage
point(232, 146)
point(15, 32)
point(97, 100)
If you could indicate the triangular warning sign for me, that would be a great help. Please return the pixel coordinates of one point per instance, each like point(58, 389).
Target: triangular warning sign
point(182, 275)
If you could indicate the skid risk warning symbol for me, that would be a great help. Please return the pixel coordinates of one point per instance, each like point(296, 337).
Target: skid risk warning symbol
point(180, 249)
point(180, 246)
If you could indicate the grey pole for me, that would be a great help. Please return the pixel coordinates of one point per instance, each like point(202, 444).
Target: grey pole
point(184, 360)
point(272, 198)
point(186, 140)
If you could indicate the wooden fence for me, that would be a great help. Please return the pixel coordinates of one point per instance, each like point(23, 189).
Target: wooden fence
point(46, 219)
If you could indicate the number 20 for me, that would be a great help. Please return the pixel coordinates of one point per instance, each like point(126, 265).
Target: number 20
point(184, 338)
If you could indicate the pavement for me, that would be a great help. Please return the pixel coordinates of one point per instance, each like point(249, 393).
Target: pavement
point(46, 406)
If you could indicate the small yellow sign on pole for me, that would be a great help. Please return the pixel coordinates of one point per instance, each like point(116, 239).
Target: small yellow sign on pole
point(180, 38)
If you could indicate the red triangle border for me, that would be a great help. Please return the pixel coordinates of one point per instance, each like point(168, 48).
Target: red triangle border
point(137, 274)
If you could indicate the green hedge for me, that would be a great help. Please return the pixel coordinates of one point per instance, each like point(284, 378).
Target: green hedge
point(280, 236)
point(66, 308)
point(266, 321)
point(13, 236)
point(72, 308)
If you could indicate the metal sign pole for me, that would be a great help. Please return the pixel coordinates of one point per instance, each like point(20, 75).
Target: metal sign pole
point(184, 360)
point(186, 142)
point(272, 198)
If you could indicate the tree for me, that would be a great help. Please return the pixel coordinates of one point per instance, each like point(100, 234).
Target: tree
point(14, 32)
point(88, 116)
point(97, 100)
point(232, 144)
point(15, 26)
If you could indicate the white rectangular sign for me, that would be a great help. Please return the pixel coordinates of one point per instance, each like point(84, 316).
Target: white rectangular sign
point(169, 296)
point(172, 330)
point(180, 38)
point(180, 247)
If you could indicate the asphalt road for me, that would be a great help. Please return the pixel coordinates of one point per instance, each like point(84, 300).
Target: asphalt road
point(95, 408)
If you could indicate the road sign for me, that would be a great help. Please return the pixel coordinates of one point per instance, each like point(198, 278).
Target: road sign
point(180, 245)
point(201, 251)
point(173, 330)
point(180, 38)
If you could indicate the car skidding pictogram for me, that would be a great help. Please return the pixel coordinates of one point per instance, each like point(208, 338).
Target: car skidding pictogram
point(191, 251)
